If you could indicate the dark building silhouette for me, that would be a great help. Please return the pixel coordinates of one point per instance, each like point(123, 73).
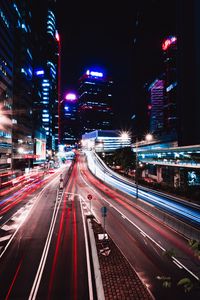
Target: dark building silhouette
point(69, 126)
point(188, 26)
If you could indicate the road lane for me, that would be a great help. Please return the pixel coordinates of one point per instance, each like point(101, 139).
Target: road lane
point(132, 230)
point(65, 272)
point(46, 257)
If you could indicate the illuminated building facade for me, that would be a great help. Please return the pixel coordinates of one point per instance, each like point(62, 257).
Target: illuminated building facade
point(155, 107)
point(23, 145)
point(95, 102)
point(69, 126)
point(6, 84)
point(45, 72)
point(169, 47)
point(105, 140)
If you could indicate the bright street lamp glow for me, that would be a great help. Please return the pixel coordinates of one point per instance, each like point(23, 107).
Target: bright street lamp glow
point(124, 136)
point(21, 150)
point(149, 137)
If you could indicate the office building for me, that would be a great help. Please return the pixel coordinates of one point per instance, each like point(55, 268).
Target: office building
point(105, 140)
point(69, 126)
point(95, 102)
point(6, 83)
point(22, 131)
point(169, 47)
point(45, 71)
point(155, 107)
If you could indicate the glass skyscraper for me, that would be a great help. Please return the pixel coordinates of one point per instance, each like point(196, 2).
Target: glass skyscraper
point(95, 102)
point(46, 65)
point(6, 83)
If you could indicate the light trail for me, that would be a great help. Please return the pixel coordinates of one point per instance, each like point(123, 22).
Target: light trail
point(135, 225)
point(36, 283)
point(165, 203)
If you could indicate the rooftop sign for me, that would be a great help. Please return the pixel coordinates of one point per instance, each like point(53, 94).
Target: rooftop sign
point(94, 73)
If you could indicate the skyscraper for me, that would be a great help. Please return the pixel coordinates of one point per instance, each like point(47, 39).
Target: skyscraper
point(169, 47)
point(23, 145)
point(69, 126)
point(46, 64)
point(156, 95)
point(6, 82)
point(95, 102)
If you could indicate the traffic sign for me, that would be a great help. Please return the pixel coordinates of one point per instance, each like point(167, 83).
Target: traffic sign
point(89, 197)
point(104, 211)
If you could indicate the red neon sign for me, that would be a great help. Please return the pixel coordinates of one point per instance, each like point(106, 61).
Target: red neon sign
point(168, 42)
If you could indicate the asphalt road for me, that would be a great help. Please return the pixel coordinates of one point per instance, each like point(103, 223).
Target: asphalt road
point(43, 245)
point(43, 254)
point(143, 240)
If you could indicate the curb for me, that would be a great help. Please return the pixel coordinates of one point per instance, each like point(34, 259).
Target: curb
point(97, 273)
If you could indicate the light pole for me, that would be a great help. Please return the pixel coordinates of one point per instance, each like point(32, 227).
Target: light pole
point(148, 138)
point(125, 138)
point(136, 168)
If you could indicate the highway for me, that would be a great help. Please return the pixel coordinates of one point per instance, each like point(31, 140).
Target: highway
point(186, 212)
point(44, 252)
point(142, 239)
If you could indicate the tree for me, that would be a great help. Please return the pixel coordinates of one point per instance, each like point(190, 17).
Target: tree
point(126, 158)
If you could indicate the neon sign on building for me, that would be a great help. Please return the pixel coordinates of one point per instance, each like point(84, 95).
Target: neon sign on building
point(70, 97)
point(94, 73)
point(171, 40)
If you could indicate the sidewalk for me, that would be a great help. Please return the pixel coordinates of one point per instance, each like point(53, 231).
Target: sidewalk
point(119, 279)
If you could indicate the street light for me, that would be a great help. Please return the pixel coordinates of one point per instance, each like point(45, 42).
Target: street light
point(148, 138)
point(136, 168)
point(125, 138)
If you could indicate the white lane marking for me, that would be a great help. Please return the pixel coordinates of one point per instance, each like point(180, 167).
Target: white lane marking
point(5, 238)
point(11, 226)
point(37, 199)
point(6, 227)
point(87, 255)
point(178, 262)
point(180, 267)
point(38, 276)
point(123, 216)
point(141, 231)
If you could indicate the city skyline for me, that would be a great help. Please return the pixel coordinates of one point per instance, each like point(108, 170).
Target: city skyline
point(126, 42)
point(99, 150)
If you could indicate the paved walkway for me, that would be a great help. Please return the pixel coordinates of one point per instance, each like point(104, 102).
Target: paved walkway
point(120, 281)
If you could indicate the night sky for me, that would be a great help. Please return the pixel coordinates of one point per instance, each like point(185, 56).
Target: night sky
point(122, 38)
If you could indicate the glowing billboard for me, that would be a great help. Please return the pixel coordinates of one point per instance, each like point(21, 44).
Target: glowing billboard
point(40, 149)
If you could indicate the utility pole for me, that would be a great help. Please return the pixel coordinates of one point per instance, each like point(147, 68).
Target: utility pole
point(136, 168)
